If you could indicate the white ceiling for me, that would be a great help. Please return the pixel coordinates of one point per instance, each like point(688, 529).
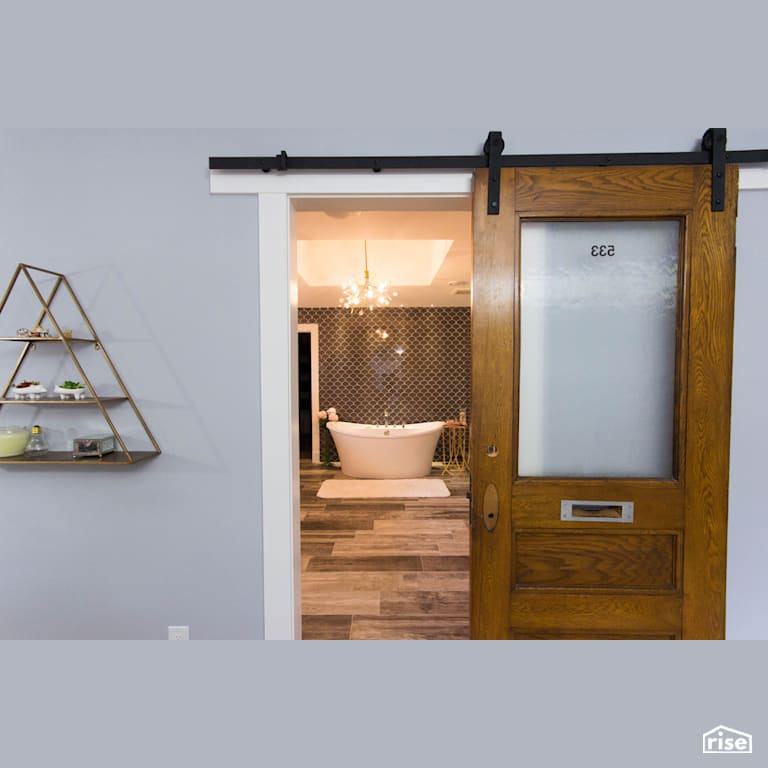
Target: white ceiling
point(401, 243)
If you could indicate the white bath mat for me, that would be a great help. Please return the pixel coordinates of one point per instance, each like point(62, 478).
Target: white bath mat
point(416, 488)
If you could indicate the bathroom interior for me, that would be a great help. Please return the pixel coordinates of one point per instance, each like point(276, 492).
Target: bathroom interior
point(385, 568)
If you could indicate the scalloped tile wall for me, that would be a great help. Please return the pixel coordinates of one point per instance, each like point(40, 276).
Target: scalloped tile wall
point(419, 372)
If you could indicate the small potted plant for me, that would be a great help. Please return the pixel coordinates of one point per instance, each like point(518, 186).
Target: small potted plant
point(325, 416)
point(28, 390)
point(70, 389)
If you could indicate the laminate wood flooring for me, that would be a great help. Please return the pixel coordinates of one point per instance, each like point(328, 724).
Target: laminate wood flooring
point(384, 569)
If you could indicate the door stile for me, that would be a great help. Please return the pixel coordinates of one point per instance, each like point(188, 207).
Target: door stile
point(708, 411)
point(494, 290)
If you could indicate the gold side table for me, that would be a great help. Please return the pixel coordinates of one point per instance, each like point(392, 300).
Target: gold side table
point(455, 453)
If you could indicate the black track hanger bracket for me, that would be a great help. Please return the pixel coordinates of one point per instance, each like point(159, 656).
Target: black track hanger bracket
point(713, 142)
point(494, 146)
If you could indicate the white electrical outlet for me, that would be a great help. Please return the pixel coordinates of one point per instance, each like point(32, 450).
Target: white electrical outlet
point(178, 633)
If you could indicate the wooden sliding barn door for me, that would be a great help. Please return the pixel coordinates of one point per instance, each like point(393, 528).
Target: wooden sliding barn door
point(602, 325)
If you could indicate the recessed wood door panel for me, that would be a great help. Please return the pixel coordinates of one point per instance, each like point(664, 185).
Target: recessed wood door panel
point(662, 572)
point(595, 613)
point(593, 560)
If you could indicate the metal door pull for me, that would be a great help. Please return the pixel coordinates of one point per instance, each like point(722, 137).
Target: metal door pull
point(597, 511)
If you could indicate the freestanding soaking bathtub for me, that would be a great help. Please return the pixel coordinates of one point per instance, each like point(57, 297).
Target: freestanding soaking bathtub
point(371, 451)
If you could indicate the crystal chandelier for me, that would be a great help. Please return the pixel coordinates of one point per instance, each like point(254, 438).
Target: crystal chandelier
point(359, 294)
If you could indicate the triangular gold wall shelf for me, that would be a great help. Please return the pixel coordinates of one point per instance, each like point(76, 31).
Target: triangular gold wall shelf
point(122, 456)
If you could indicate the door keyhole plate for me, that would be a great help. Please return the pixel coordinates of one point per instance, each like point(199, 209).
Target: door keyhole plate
point(490, 507)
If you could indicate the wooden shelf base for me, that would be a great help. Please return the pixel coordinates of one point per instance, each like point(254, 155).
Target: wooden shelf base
point(117, 459)
point(59, 401)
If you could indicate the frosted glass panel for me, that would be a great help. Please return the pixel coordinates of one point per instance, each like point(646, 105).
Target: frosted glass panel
point(597, 348)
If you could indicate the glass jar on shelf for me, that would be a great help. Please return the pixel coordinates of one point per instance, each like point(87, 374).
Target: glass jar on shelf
point(37, 445)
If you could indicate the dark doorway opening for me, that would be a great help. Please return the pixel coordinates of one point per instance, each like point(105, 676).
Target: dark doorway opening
point(305, 395)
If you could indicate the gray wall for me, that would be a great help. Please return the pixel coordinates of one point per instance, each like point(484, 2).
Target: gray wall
point(168, 273)
point(746, 611)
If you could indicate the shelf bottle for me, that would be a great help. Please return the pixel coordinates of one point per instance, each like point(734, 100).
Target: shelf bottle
point(37, 445)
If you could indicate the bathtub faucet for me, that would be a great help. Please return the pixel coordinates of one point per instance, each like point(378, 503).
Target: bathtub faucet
point(386, 419)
